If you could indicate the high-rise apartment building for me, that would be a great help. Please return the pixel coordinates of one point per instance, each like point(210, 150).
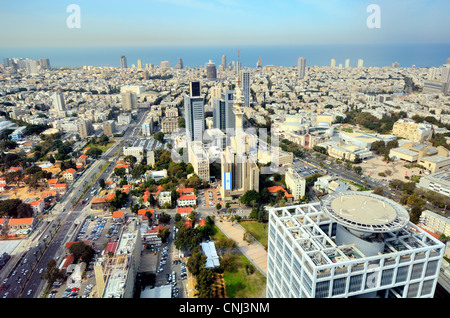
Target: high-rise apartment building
point(301, 68)
point(85, 128)
point(109, 127)
point(347, 63)
point(333, 63)
point(129, 100)
point(165, 65)
point(139, 64)
point(211, 71)
point(351, 244)
point(123, 61)
point(194, 113)
point(245, 81)
point(44, 63)
point(360, 63)
point(198, 158)
point(58, 102)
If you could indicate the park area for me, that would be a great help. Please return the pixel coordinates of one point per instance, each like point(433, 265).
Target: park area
point(242, 279)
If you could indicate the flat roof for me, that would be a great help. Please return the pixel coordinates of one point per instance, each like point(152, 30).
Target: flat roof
point(366, 211)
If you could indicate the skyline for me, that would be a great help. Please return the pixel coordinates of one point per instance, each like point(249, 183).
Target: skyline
point(221, 22)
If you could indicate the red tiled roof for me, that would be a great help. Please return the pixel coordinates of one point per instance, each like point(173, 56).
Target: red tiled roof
point(117, 214)
point(187, 197)
point(184, 210)
point(186, 190)
point(21, 221)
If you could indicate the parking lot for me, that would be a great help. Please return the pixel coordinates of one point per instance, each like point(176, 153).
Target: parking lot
point(99, 230)
point(209, 198)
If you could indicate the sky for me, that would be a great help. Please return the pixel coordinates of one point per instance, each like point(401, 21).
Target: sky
point(39, 23)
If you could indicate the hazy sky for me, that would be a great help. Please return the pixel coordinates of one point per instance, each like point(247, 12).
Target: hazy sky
point(221, 22)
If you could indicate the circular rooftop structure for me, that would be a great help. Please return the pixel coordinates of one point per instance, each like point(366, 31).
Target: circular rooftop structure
point(365, 212)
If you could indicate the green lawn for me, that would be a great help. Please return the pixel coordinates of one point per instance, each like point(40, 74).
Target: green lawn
point(101, 147)
point(258, 230)
point(238, 282)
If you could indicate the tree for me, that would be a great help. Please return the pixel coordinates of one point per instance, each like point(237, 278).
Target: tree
point(94, 152)
point(196, 261)
point(52, 273)
point(101, 182)
point(250, 197)
point(120, 172)
point(218, 206)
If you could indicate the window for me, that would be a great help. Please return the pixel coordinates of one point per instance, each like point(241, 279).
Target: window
point(339, 286)
point(355, 283)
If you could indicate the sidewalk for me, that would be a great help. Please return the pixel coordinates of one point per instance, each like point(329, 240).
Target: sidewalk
point(255, 252)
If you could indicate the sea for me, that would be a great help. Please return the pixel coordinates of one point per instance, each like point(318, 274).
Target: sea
point(373, 55)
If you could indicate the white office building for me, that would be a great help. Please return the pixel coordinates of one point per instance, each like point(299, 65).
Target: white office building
point(351, 244)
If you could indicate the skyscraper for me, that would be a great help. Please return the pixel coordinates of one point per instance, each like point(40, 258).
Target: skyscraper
point(139, 64)
point(85, 127)
point(351, 244)
point(223, 116)
point(360, 63)
point(333, 63)
point(245, 80)
point(347, 63)
point(301, 68)
point(448, 61)
point(123, 61)
point(194, 113)
point(179, 65)
point(58, 102)
point(211, 71)
point(44, 63)
point(129, 100)
point(224, 62)
point(259, 63)
point(239, 170)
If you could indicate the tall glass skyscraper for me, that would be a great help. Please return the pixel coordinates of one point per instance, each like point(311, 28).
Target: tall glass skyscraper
point(301, 67)
point(194, 113)
point(123, 61)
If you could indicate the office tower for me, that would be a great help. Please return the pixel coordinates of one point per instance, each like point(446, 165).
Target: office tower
point(109, 127)
point(432, 74)
point(58, 102)
point(123, 61)
point(44, 63)
point(179, 65)
point(360, 63)
point(211, 71)
point(239, 169)
point(224, 62)
point(194, 113)
point(129, 100)
point(139, 64)
point(333, 63)
point(301, 67)
point(245, 80)
point(396, 64)
point(85, 128)
point(448, 61)
point(347, 63)
point(165, 65)
point(223, 115)
point(351, 244)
